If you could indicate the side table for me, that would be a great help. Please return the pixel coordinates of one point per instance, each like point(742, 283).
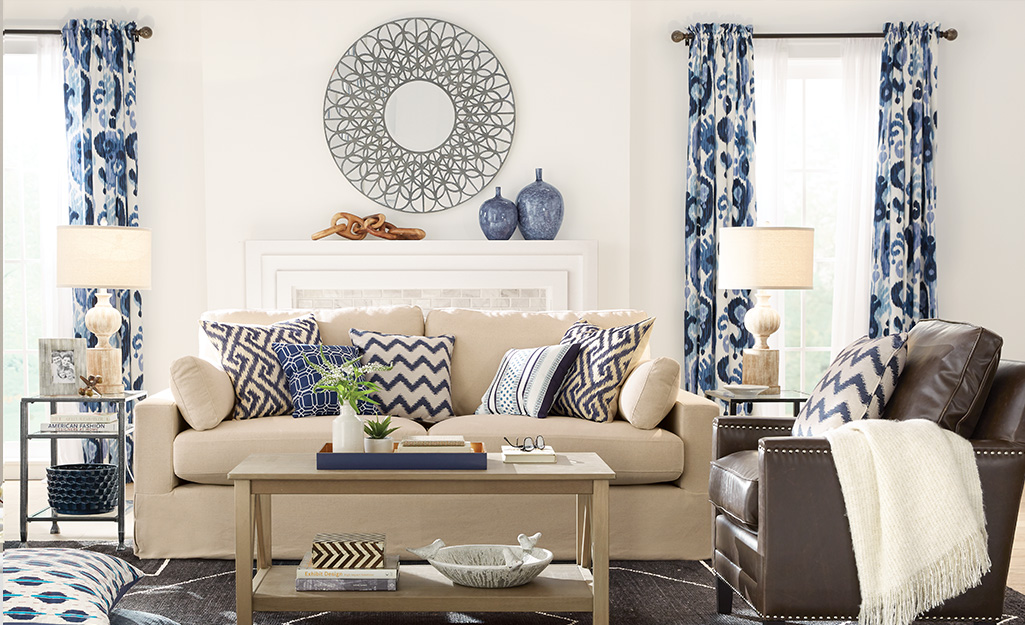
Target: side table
point(46, 514)
point(795, 398)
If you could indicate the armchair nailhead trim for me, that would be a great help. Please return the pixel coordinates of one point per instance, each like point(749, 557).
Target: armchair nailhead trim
point(986, 452)
point(732, 426)
point(790, 450)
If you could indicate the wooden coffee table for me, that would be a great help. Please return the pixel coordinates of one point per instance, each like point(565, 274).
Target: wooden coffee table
point(580, 587)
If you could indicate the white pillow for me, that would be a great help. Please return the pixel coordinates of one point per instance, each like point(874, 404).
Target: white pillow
point(203, 392)
point(649, 392)
point(856, 386)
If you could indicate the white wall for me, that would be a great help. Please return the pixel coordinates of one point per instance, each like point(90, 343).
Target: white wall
point(232, 146)
point(979, 218)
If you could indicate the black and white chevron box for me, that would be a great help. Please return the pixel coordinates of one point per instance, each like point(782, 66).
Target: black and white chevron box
point(348, 551)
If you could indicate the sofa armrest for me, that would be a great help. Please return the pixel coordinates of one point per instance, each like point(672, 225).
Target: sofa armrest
point(802, 515)
point(732, 434)
point(691, 419)
point(157, 423)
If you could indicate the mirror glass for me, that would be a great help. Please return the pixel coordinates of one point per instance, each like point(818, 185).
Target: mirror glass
point(419, 115)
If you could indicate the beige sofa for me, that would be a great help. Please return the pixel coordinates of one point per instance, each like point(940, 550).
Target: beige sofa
point(659, 499)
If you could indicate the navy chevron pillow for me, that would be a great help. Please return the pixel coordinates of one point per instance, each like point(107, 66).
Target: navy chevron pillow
point(419, 385)
point(593, 380)
point(856, 386)
point(261, 389)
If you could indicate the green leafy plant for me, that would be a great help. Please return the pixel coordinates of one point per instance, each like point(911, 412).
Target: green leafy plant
point(347, 379)
point(376, 428)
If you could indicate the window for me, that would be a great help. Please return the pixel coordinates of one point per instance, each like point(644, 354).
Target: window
point(34, 203)
point(800, 119)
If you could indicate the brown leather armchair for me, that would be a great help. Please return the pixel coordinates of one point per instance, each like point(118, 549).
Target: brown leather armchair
point(781, 539)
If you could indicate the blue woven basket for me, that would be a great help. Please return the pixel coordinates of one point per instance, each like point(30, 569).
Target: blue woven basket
point(82, 488)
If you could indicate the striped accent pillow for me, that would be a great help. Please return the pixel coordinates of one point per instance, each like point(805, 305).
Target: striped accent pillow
point(419, 385)
point(307, 400)
point(527, 380)
point(261, 388)
point(593, 381)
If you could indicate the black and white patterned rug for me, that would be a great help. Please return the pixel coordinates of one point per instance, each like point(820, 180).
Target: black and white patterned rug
point(202, 592)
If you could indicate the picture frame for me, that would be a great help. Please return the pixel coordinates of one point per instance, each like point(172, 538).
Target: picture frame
point(61, 363)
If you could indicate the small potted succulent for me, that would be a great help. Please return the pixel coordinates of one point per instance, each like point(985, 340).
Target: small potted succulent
point(377, 440)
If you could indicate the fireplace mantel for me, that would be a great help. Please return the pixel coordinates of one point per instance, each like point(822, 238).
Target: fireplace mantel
point(537, 275)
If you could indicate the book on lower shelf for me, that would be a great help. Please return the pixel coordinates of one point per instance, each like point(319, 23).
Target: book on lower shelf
point(514, 455)
point(78, 428)
point(84, 417)
point(307, 577)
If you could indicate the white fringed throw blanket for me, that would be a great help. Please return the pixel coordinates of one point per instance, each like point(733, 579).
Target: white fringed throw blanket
point(914, 504)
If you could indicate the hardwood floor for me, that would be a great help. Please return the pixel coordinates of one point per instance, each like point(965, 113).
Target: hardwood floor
point(108, 531)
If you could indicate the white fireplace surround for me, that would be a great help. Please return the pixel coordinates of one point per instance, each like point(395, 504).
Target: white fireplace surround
point(497, 275)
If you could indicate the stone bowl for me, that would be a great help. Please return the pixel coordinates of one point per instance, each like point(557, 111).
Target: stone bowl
point(487, 566)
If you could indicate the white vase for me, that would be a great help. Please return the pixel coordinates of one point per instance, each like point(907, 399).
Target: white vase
point(378, 445)
point(347, 431)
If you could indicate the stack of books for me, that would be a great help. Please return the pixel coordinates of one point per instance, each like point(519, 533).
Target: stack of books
point(84, 423)
point(348, 562)
point(512, 454)
point(454, 444)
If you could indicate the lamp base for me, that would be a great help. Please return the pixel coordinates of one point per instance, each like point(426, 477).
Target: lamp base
point(761, 366)
point(106, 363)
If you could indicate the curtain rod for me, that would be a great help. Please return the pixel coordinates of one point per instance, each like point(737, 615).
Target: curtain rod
point(949, 34)
point(145, 32)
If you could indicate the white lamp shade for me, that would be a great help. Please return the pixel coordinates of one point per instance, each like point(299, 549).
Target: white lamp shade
point(766, 258)
point(104, 257)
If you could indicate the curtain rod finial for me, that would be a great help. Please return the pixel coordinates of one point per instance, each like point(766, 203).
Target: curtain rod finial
point(679, 35)
point(950, 34)
point(145, 32)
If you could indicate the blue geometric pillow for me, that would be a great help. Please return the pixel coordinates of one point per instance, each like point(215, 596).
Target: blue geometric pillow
point(856, 386)
point(261, 389)
point(48, 586)
point(308, 401)
point(419, 385)
point(527, 380)
point(593, 380)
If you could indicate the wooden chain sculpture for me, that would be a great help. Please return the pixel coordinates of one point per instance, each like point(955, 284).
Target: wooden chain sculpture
point(354, 227)
point(90, 385)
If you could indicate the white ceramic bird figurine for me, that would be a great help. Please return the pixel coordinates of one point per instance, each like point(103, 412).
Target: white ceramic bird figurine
point(429, 551)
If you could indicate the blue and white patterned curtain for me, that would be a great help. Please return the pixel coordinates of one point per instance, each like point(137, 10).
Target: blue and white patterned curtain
point(904, 240)
point(720, 193)
point(99, 104)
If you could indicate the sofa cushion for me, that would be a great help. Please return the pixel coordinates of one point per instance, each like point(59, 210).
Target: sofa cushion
point(334, 323)
point(207, 457)
point(649, 392)
point(593, 380)
point(948, 375)
point(857, 385)
point(484, 336)
point(733, 486)
point(202, 391)
point(527, 380)
point(419, 383)
point(300, 362)
point(637, 456)
point(261, 388)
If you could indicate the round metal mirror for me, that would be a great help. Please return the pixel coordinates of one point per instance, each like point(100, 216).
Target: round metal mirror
point(419, 115)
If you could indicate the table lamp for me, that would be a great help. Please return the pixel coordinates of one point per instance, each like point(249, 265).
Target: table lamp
point(104, 257)
point(764, 258)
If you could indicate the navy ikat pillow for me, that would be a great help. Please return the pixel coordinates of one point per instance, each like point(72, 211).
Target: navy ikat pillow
point(45, 586)
point(308, 401)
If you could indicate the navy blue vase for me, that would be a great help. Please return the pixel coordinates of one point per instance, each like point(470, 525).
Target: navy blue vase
point(540, 207)
point(498, 217)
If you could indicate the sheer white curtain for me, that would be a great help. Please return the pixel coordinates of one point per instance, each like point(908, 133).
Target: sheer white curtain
point(860, 63)
point(772, 57)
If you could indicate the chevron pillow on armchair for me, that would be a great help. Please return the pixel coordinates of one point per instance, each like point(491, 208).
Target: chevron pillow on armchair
point(593, 380)
point(419, 384)
point(856, 386)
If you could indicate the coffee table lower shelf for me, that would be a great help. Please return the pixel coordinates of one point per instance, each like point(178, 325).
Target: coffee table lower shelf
point(560, 588)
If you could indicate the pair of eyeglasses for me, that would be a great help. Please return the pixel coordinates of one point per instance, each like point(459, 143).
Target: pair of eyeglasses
point(529, 444)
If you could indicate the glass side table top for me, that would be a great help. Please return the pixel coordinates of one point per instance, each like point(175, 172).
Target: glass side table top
point(782, 396)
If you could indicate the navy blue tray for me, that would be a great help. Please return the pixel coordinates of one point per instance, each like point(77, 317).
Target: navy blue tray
point(477, 461)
